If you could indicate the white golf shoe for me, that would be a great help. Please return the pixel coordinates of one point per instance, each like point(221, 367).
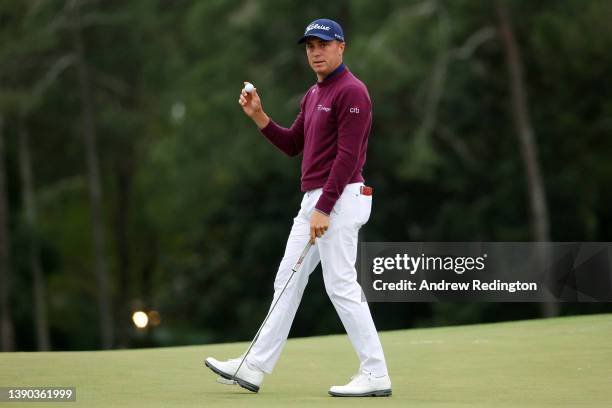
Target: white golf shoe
point(247, 377)
point(363, 385)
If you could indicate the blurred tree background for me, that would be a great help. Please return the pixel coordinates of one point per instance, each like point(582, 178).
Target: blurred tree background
point(131, 180)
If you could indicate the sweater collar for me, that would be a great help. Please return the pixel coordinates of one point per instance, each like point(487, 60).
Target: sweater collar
point(333, 76)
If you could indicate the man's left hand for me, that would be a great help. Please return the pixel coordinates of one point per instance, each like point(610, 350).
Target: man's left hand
point(319, 223)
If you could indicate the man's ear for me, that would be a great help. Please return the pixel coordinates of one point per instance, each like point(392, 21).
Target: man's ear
point(341, 45)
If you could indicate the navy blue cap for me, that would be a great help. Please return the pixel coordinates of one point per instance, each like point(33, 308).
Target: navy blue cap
point(324, 29)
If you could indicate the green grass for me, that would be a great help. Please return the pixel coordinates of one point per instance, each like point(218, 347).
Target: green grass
point(563, 362)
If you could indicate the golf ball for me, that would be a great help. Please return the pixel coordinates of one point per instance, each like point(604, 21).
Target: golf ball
point(248, 87)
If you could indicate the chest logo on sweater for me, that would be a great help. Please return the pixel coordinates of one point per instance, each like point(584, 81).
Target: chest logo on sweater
point(323, 108)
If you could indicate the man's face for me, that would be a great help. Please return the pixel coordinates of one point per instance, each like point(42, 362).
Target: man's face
point(324, 56)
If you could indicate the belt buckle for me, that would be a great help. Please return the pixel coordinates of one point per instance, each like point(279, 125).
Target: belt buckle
point(366, 191)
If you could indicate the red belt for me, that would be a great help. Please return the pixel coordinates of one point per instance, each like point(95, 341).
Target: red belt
point(367, 191)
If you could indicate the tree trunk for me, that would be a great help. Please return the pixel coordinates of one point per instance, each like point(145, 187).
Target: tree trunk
point(95, 190)
point(38, 280)
point(6, 323)
point(148, 269)
point(525, 133)
point(124, 181)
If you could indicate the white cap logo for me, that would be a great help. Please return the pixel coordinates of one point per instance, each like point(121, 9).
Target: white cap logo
point(316, 27)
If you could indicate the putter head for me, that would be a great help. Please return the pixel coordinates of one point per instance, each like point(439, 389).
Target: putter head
point(225, 381)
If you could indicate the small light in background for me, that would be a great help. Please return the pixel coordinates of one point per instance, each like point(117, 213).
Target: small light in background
point(177, 111)
point(140, 319)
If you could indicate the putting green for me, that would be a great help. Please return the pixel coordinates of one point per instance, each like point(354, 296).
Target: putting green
point(537, 363)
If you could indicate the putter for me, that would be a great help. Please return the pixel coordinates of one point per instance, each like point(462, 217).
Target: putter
point(294, 270)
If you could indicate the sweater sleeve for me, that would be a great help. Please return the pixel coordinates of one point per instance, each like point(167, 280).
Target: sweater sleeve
point(290, 141)
point(354, 115)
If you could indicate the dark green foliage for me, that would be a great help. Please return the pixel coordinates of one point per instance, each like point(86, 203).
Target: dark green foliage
point(210, 202)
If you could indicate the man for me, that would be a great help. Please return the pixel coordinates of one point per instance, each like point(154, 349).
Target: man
point(331, 131)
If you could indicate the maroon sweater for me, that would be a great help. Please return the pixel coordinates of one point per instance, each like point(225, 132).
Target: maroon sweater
point(332, 131)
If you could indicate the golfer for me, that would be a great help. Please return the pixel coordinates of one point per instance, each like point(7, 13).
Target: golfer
point(331, 132)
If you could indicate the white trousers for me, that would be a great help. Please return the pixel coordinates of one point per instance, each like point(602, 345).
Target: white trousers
point(337, 252)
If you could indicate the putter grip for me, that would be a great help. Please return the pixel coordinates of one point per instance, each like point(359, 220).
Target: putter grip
point(302, 256)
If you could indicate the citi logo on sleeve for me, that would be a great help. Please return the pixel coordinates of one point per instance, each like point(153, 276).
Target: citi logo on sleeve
point(354, 110)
